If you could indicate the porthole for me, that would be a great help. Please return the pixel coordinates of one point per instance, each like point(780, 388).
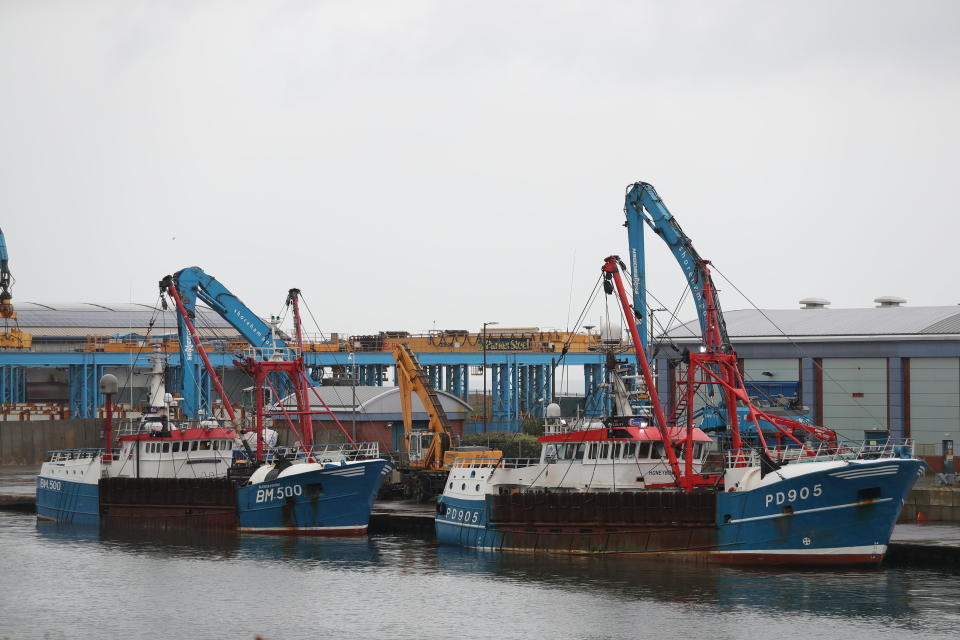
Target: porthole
point(478, 488)
point(451, 485)
point(463, 487)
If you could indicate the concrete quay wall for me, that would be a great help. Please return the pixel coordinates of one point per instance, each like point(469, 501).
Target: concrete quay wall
point(936, 504)
point(27, 442)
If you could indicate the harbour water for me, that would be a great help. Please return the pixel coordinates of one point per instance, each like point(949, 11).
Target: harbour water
point(61, 581)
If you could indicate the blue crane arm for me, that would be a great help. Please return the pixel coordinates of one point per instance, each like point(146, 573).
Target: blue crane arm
point(4, 264)
point(645, 207)
point(193, 283)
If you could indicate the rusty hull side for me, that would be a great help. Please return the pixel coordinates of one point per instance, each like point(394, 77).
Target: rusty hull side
point(616, 522)
point(169, 503)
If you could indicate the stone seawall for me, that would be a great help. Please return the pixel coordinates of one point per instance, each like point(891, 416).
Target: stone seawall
point(28, 442)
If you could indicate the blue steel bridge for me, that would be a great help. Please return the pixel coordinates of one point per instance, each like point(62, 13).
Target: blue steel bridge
point(75, 344)
point(519, 384)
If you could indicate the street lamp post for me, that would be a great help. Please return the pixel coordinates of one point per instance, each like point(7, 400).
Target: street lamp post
point(485, 325)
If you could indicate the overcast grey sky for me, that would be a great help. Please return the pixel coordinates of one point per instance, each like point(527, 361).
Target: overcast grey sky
point(411, 163)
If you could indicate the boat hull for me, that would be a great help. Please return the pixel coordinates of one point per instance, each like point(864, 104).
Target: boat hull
point(334, 501)
point(68, 501)
point(331, 500)
point(833, 516)
point(837, 515)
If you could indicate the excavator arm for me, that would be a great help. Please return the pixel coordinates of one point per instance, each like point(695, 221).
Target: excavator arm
point(412, 379)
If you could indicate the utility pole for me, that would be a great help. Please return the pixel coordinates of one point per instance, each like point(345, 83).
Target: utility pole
point(485, 418)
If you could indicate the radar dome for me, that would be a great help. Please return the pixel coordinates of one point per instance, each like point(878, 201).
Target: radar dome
point(553, 410)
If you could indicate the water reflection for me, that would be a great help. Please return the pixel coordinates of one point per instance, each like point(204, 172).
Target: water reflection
point(885, 597)
point(347, 553)
point(861, 593)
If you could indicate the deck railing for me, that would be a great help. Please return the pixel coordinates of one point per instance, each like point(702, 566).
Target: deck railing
point(332, 452)
point(63, 455)
point(499, 463)
point(134, 426)
point(845, 450)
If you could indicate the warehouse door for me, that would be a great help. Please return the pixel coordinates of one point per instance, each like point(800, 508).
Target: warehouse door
point(934, 402)
point(855, 395)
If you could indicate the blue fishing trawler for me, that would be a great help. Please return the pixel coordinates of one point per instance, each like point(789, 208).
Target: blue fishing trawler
point(638, 481)
point(168, 472)
point(330, 497)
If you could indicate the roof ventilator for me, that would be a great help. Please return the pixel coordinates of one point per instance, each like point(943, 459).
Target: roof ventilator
point(814, 303)
point(889, 301)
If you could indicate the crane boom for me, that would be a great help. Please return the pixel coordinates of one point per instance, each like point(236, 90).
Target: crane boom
point(715, 365)
point(6, 309)
point(644, 206)
point(11, 337)
point(193, 283)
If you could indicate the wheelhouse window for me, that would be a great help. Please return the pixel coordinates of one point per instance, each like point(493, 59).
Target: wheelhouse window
point(644, 451)
point(176, 447)
point(630, 450)
point(592, 453)
point(581, 449)
point(204, 445)
point(166, 447)
point(605, 450)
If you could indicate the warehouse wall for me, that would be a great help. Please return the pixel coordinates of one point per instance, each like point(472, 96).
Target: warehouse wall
point(855, 395)
point(783, 369)
point(934, 403)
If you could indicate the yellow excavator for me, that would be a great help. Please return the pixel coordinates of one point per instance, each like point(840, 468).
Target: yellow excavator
point(10, 337)
point(427, 454)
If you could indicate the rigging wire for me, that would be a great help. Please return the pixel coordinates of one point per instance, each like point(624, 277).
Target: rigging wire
point(573, 271)
point(128, 383)
point(799, 349)
point(591, 299)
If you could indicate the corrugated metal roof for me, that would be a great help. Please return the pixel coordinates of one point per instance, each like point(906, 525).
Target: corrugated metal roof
point(799, 323)
point(87, 318)
point(378, 400)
